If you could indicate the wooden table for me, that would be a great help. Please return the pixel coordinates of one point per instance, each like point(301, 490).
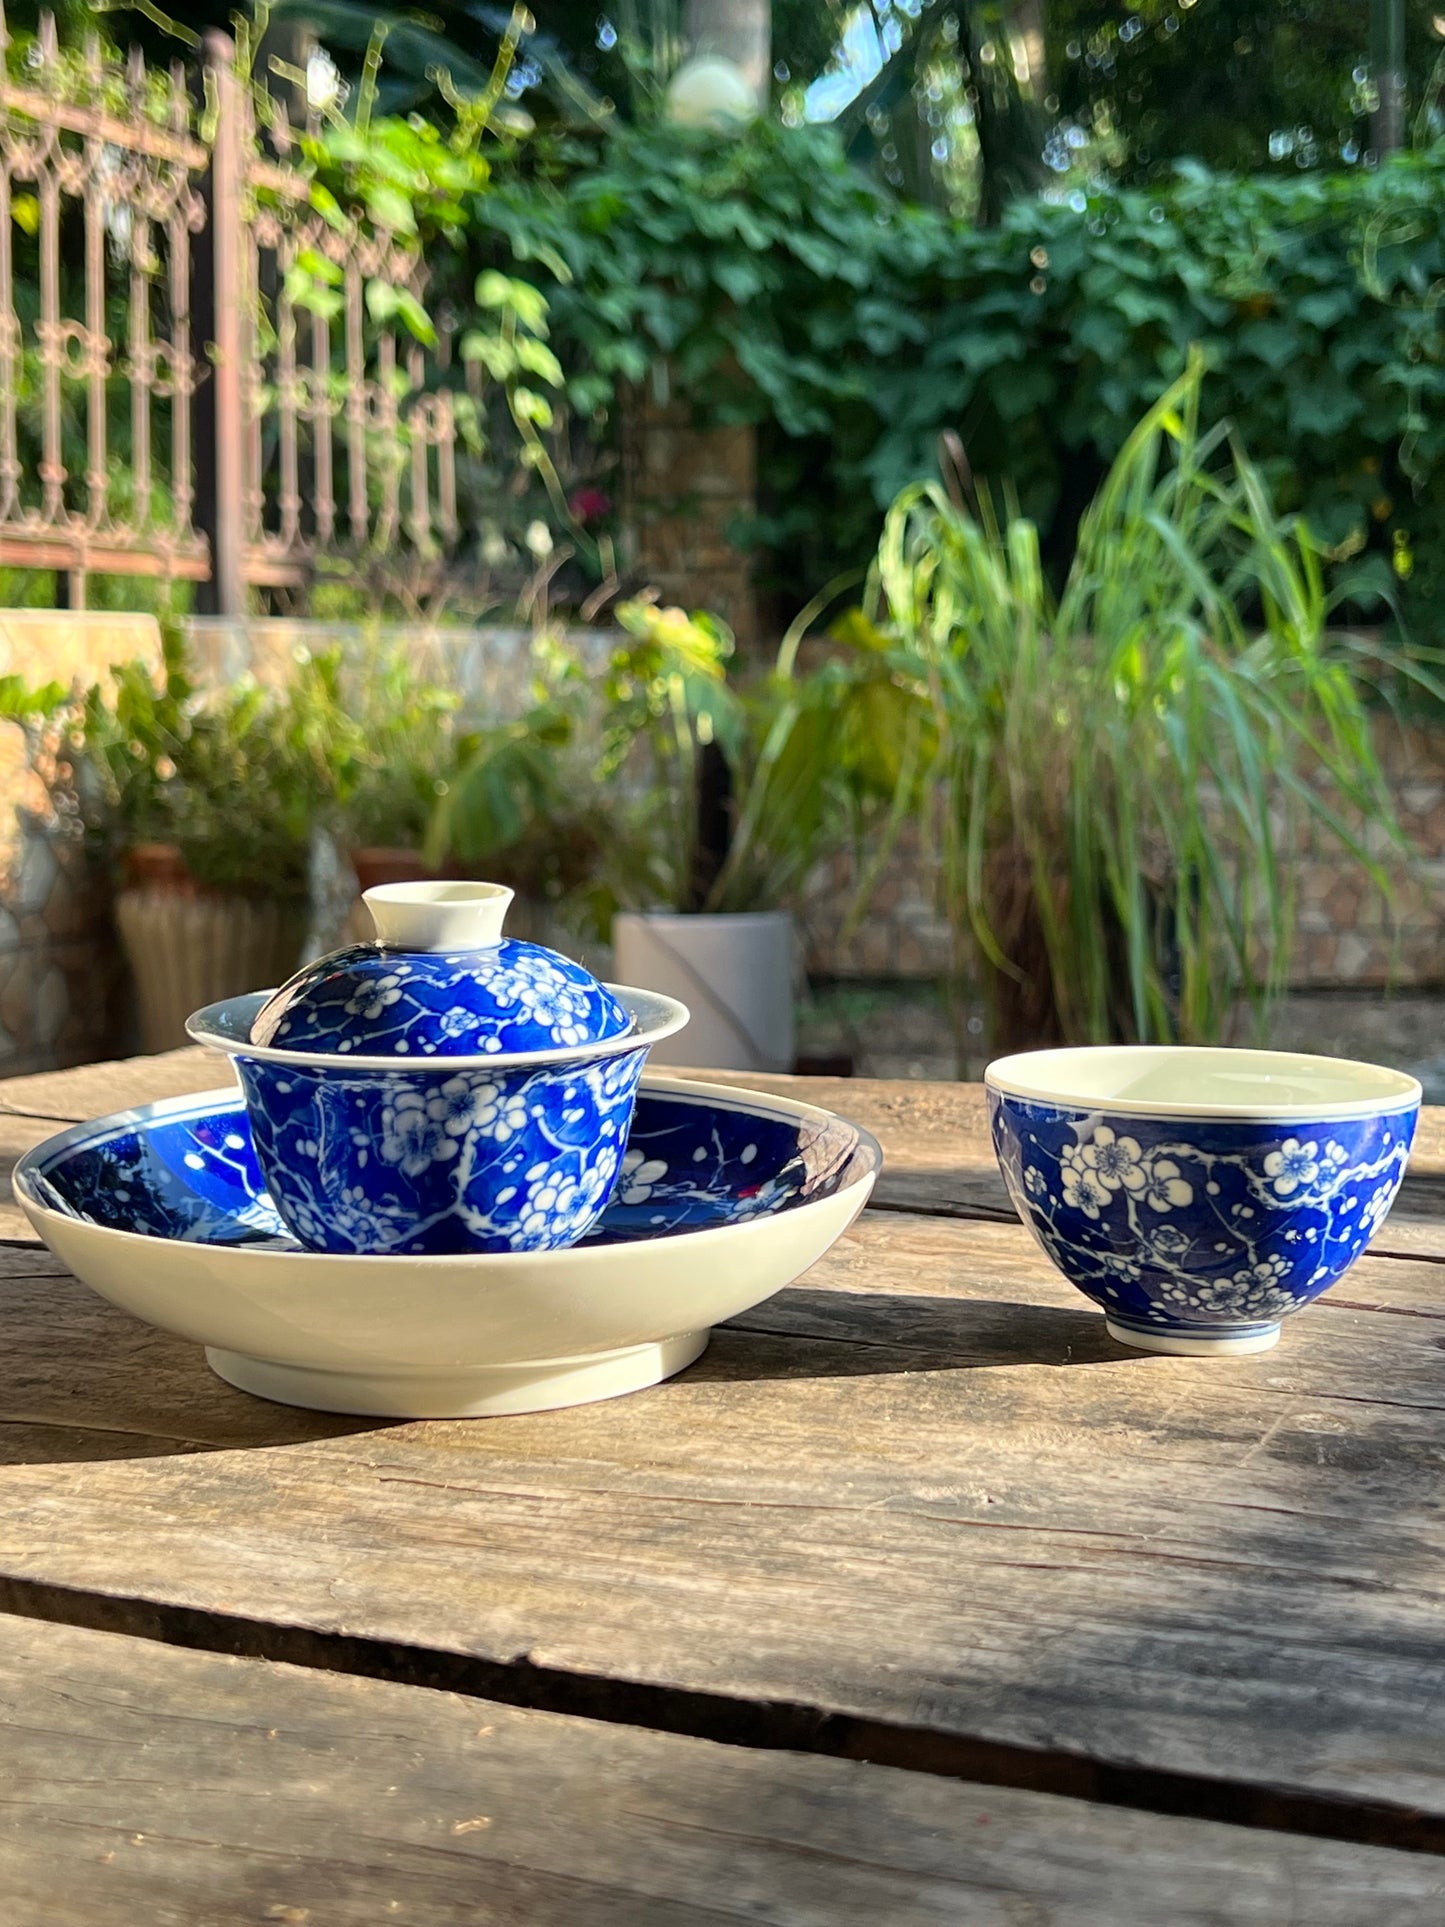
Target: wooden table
point(916, 1600)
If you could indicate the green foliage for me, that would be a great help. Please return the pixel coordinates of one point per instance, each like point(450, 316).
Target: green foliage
point(232, 777)
point(383, 741)
point(1123, 764)
point(829, 754)
point(1315, 299)
point(666, 699)
point(516, 805)
point(1153, 79)
point(594, 793)
point(768, 281)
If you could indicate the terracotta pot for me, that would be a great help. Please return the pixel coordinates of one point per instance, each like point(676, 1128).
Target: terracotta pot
point(187, 945)
point(158, 866)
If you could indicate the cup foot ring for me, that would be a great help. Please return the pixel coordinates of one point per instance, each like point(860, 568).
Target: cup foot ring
point(1261, 1338)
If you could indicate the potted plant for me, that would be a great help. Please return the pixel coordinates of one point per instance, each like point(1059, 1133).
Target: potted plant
point(808, 756)
point(1125, 766)
point(385, 744)
point(593, 801)
point(520, 806)
point(202, 806)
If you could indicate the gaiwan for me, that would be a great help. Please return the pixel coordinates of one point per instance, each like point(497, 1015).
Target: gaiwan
point(444, 1088)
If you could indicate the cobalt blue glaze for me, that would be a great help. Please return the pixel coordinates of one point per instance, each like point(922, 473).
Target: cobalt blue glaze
point(1204, 1227)
point(690, 1164)
point(382, 1001)
point(485, 1159)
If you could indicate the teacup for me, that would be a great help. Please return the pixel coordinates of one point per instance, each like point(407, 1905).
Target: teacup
point(1200, 1195)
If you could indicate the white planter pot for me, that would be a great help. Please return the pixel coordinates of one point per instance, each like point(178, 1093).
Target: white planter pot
point(185, 951)
point(734, 973)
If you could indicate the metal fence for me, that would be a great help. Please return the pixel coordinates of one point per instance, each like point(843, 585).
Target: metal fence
point(149, 422)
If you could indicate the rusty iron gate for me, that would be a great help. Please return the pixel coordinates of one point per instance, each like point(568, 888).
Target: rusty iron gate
point(148, 424)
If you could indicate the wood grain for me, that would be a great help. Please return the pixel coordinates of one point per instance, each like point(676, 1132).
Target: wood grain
point(919, 1508)
point(142, 1784)
point(17, 1135)
point(90, 1090)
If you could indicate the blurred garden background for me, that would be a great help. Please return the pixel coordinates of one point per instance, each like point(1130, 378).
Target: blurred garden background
point(962, 485)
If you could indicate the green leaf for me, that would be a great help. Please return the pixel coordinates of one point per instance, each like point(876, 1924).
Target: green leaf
point(497, 356)
point(329, 208)
point(529, 406)
point(417, 320)
point(389, 208)
point(537, 358)
point(528, 304)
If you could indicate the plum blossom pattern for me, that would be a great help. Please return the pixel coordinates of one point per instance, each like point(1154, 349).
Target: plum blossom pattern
point(1116, 1162)
point(1253, 1292)
point(512, 997)
point(1092, 1173)
point(1082, 1189)
point(1165, 1187)
point(409, 1136)
point(1293, 1167)
point(639, 1174)
point(480, 1160)
point(193, 1175)
point(1221, 1227)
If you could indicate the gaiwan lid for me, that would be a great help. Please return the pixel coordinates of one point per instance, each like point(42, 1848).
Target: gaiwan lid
point(439, 981)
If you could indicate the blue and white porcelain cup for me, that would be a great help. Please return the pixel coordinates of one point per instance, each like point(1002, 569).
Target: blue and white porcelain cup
point(444, 1089)
point(1200, 1195)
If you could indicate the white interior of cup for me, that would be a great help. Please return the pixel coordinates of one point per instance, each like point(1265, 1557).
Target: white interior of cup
point(1160, 1080)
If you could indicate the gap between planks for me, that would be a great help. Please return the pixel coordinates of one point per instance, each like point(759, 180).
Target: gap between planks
point(771, 1726)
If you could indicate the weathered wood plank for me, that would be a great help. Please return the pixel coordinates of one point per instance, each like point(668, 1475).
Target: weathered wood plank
point(81, 1381)
point(146, 1784)
point(17, 1135)
point(90, 1090)
point(922, 1494)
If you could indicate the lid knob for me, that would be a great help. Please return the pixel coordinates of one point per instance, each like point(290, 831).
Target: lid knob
point(438, 916)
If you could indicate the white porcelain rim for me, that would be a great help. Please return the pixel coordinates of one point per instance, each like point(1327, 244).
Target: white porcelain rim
point(1010, 1077)
point(201, 1027)
point(195, 1103)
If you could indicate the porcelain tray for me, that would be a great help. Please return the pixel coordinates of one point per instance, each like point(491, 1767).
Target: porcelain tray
point(726, 1196)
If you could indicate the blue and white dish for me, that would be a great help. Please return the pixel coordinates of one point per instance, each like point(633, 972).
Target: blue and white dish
point(482, 994)
point(724, 1197)
point(382, 1138)
point(1200, 1195)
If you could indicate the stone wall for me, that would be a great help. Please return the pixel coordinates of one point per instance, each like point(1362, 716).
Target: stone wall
point(683, 488)
point(1347, 934)
point(901, 934)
